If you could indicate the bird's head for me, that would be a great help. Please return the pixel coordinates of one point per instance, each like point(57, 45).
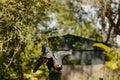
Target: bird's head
point(58, 67)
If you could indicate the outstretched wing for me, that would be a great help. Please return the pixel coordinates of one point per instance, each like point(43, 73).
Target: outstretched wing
point(59, 55)
point(39, 62)
point(62, 54)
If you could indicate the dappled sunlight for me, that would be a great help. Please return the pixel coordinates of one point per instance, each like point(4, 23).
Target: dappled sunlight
point(88, 30)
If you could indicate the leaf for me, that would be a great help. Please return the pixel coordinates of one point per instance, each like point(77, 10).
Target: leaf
point(112, 65)
point(1, 45)
point(39, 72)
point(106, 49)
point(3, 1)
point(102, 46)
point(27, 75)
point(30, 76)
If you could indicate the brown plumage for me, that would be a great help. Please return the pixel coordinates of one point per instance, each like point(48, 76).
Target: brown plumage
point(53, 60)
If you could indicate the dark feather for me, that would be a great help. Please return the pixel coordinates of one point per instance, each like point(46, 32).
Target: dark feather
point(39, 62)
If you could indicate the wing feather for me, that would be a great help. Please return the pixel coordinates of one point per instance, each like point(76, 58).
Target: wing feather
point(62, 54)
point(39, 62)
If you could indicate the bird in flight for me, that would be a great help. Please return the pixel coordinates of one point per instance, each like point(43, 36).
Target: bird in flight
point(53, 59)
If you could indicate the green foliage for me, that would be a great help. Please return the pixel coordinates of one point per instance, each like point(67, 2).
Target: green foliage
point(113, 55)
point(20, 44)
point(21, 40)
point(113, 65)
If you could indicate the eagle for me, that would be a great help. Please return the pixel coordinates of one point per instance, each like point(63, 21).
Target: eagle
point(52, 58)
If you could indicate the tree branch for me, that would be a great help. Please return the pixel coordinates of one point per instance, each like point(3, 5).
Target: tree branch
point(116, 28)
point(15, 52)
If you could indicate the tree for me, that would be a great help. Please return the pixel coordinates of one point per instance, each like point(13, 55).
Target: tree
point(21, 33)
point(109, 15)
point(19, 37)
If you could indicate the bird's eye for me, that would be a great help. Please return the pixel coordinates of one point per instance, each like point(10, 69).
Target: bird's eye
point(59, 65)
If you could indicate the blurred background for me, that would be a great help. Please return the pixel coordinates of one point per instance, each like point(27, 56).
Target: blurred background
point(26, 24)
